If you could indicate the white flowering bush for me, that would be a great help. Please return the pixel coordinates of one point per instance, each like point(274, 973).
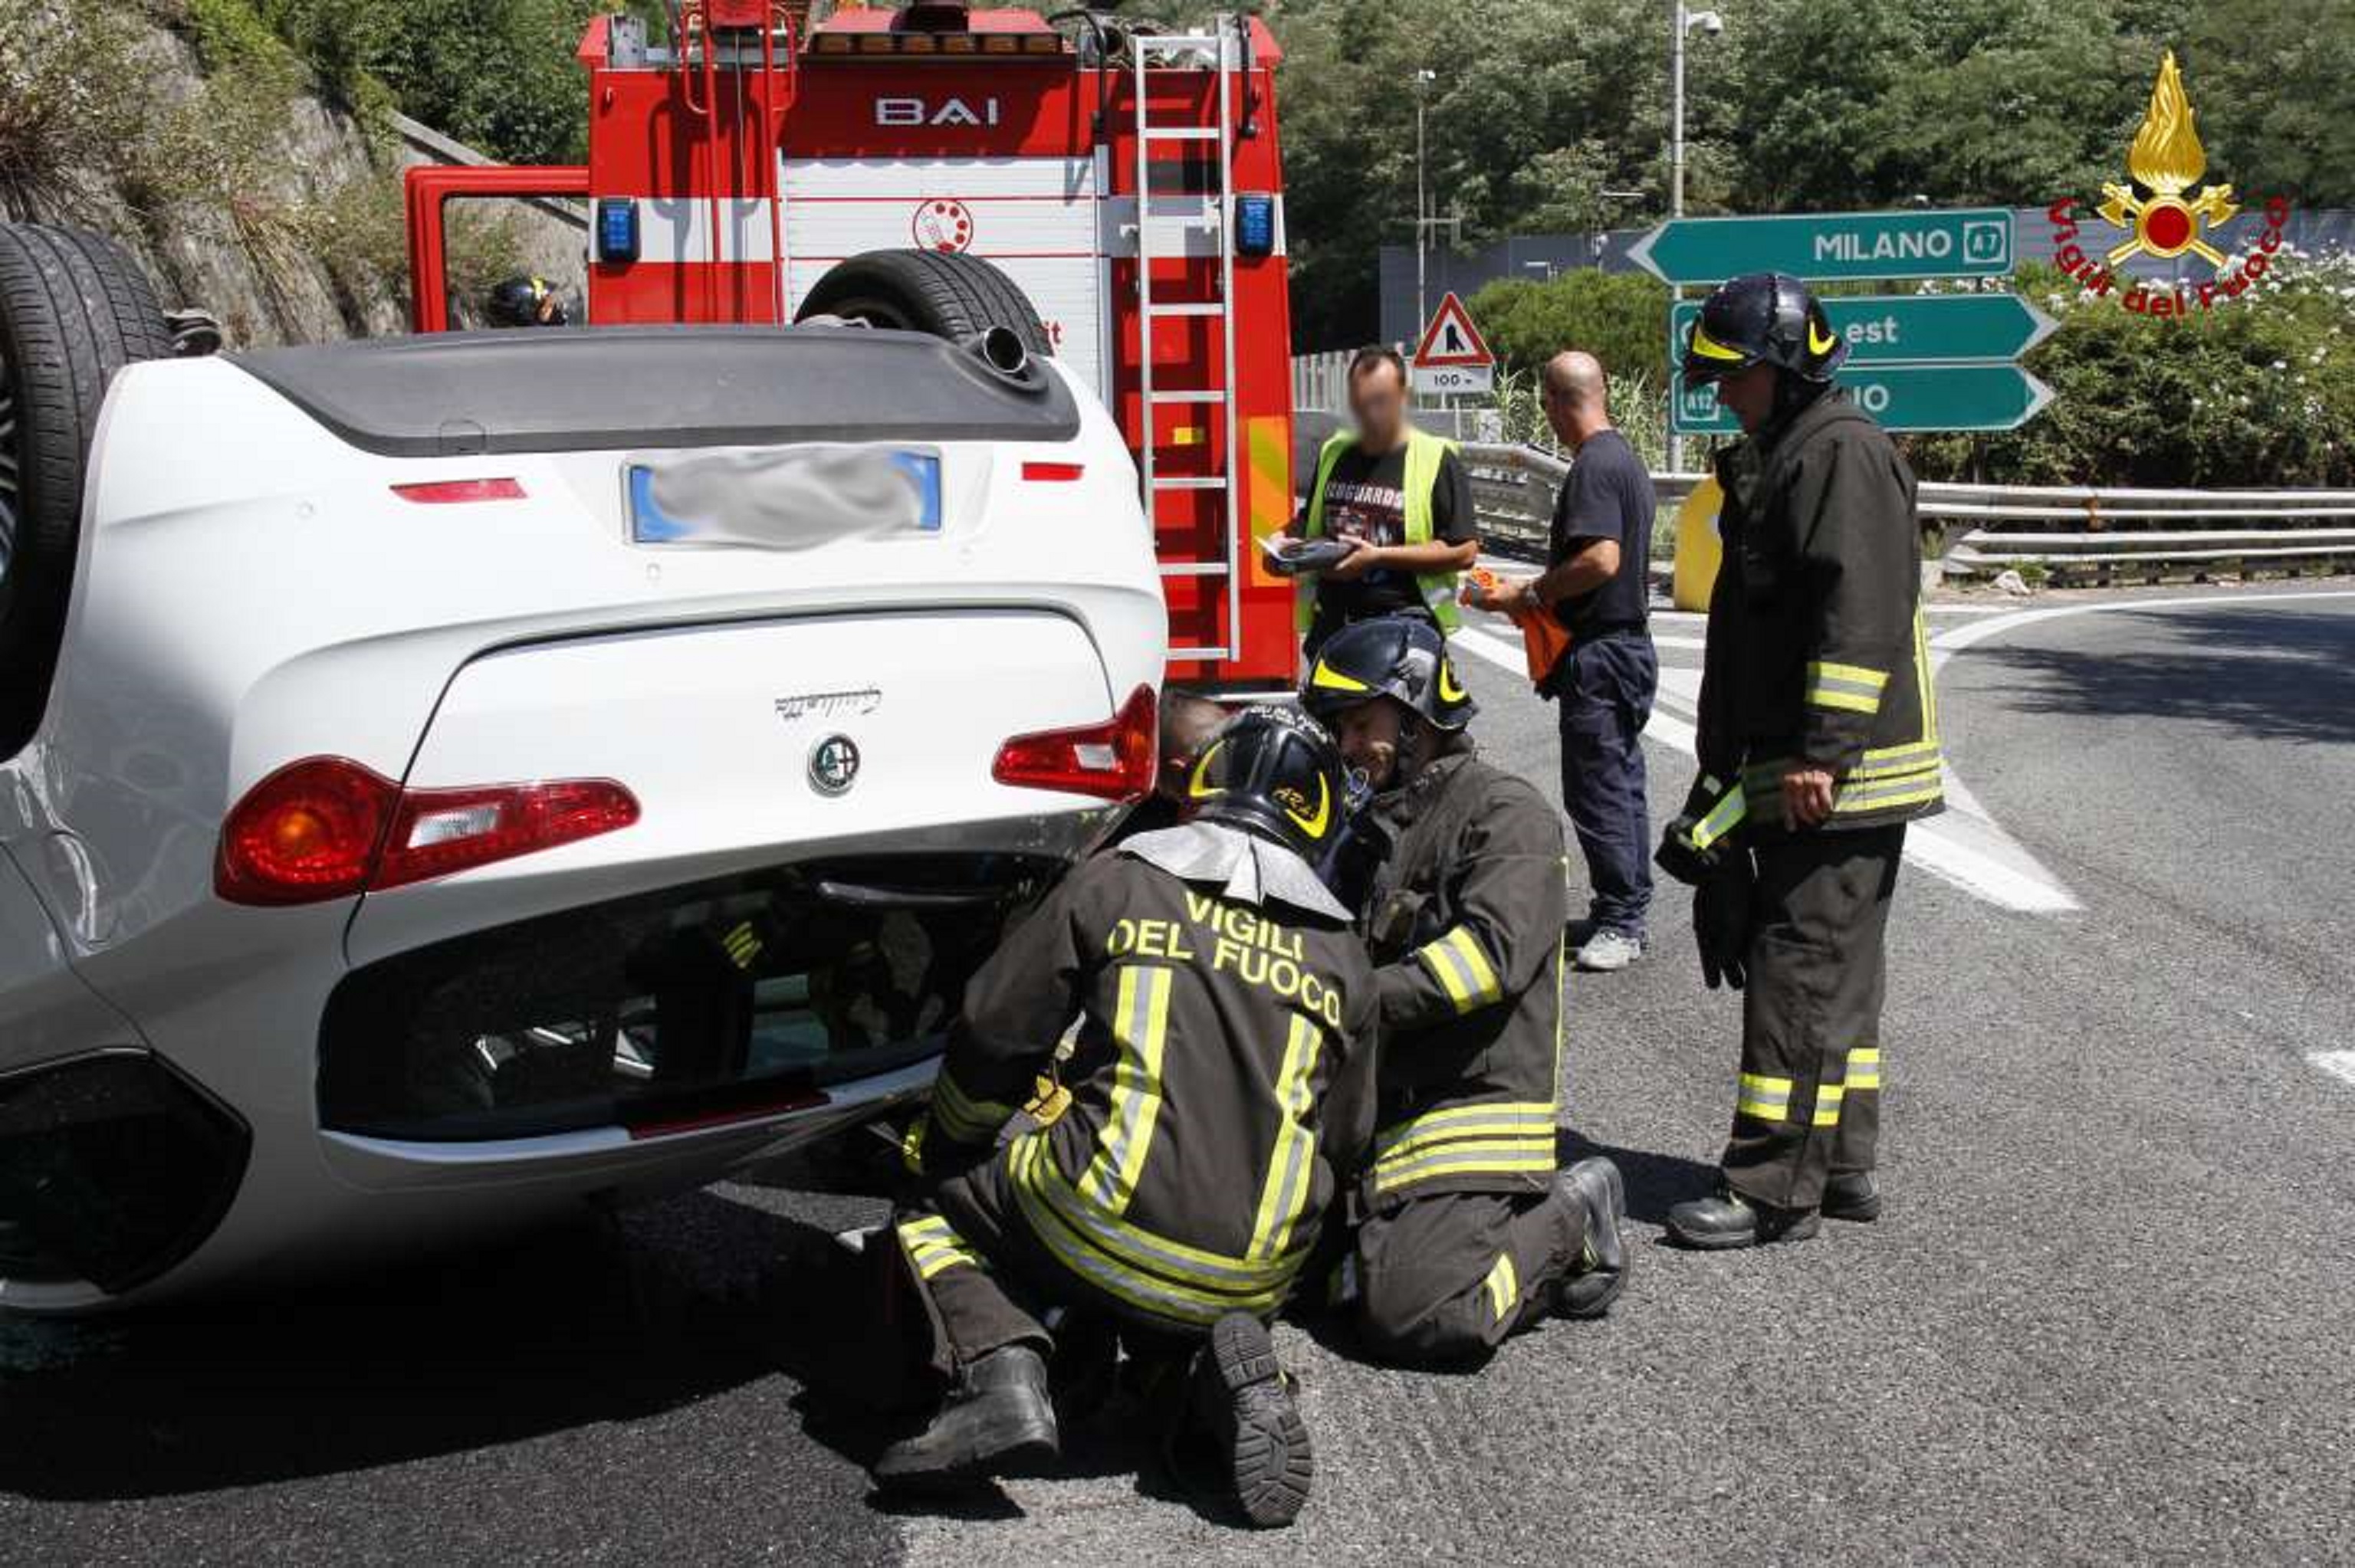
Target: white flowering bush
point(2257, 392)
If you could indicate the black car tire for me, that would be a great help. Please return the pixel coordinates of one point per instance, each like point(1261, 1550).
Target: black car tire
point(945, 292)
point(73, 310)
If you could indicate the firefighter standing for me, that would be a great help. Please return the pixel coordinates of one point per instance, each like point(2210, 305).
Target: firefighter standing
point(1818, 742)
point(1401, 497)
point(1470, 1233)
point(1223, 1069)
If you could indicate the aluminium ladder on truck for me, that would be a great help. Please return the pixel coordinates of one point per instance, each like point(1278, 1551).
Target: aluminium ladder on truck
point(1224, 47)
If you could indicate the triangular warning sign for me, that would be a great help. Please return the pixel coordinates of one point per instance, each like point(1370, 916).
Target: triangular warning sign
point(1450, 338)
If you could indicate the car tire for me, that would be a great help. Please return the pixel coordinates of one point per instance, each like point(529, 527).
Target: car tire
point(945, 292)
point(73, 310)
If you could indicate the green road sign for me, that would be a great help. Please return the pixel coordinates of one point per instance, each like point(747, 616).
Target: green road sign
point(1903, 397)
point(1914, 328)
point(1955, 242)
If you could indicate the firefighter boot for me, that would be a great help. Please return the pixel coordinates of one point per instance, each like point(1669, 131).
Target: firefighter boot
point(1727, 1219)
point(1852, 1196)
point(1244, 1404)
point(998, 1420)
point(1593, 1189)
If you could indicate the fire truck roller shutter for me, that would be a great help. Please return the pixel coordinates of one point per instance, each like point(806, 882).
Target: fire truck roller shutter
point(944, 292)
point(73, 310)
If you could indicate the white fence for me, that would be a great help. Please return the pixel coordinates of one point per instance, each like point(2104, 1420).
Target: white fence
point(2073, 535)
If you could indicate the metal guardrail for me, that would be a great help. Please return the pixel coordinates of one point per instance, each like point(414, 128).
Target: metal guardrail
point(2070, 534)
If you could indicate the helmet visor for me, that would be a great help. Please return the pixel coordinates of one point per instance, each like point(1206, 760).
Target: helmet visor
point(1708, 360)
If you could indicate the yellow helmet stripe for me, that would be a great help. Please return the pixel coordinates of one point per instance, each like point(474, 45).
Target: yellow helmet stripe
point(1200, 786)
point(1823, 345)
point(1333, 680)
point(1709, 347)
point(1315, 824)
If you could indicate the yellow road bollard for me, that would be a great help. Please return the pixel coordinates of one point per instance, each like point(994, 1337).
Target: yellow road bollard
point(1699, 548)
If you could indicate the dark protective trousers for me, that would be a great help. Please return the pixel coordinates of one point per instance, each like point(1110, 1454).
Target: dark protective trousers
point(1809, 1103)
point(1444, 1279)
point(1605, 688)
point(985, 1282)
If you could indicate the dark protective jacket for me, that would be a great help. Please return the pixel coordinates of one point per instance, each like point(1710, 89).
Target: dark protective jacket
point(1816, 649)
point(1223, 1071)
point(1466, 920)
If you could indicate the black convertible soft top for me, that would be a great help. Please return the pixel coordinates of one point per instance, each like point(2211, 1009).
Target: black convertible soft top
point(538, 389)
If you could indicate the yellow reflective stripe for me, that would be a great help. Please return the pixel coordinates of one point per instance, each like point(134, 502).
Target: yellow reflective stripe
point(1033, 1162)
point(1131, 1263)
point(1828, 1103)
point(1926, 680)
point(1768, 1099)
point(1292, 1160)
point(1504, 1286)
point(1469, 1157)
point(1860, 675)
point(1864, 1067)
point(962, 1116)
point(1722, 818)
point(1462, 969)
point(1487, 1119)
point(1850, 686)
point(1140, 1024)
point(1880, 794)
point(932, 1245)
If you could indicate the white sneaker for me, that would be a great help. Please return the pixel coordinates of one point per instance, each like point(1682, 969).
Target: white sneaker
point(1606, 952)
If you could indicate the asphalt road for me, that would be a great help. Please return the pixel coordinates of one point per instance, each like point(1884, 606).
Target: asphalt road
point(2110, 1315)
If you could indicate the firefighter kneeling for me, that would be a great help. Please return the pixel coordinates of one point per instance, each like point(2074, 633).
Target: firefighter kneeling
point(1223, 1070)
point(1470, 1233)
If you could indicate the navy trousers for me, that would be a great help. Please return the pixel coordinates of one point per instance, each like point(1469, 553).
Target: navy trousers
point(1605, 687)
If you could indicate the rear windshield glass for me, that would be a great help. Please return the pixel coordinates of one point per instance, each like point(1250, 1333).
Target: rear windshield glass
point(670, 1006)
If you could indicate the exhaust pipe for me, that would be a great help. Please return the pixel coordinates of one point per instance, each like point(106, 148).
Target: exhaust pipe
point(1001, 349)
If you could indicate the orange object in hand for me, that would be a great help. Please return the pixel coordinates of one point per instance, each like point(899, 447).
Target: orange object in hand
point(1544, 639)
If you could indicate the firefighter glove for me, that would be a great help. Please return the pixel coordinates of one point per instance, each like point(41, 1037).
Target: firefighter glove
point(1721, 920)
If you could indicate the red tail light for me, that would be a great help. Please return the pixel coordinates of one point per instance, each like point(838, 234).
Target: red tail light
point(1113, 759)
point(451, 492)
point(1052, 472)
point(328, 828)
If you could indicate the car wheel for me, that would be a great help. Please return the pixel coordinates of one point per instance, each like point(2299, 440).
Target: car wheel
point(73, 310)
point(945, 292)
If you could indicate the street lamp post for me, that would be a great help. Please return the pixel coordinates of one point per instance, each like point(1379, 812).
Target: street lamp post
point(1423, 80)
point(1682, 21)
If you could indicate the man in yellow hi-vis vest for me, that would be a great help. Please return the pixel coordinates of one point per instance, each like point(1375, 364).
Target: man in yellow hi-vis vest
point(1399, 498)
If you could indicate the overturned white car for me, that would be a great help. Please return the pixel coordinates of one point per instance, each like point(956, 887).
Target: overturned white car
point(452, 778)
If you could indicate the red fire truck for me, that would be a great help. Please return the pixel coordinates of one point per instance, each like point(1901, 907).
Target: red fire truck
point(755, 166)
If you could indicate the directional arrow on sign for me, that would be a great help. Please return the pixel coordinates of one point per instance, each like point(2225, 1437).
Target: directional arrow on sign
point(1903, 397)
point(1951, 242)
point(1914, 328)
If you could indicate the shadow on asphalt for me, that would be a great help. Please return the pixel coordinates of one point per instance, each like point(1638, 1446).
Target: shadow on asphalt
point(1656, 1183)
point(2266, 674)
point(588, 1323)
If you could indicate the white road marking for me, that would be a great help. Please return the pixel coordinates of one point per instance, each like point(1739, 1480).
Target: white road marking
point(1966, 848)
point(2337, 1063)
point(1956, 638)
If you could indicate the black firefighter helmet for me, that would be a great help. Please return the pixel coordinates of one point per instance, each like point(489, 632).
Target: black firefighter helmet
point(525, 300)
point(1762, 318)
point(1274, 772)
point(1402, 657)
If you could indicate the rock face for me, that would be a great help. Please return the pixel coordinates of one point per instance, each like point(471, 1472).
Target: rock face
point(300, 241)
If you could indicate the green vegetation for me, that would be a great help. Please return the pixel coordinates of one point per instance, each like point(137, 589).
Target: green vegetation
point(1542, 105)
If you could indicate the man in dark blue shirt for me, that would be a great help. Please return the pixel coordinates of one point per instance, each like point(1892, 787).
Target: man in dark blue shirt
point(1596, 583)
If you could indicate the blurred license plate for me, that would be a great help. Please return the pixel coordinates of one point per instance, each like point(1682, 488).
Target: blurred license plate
point(789, 498)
